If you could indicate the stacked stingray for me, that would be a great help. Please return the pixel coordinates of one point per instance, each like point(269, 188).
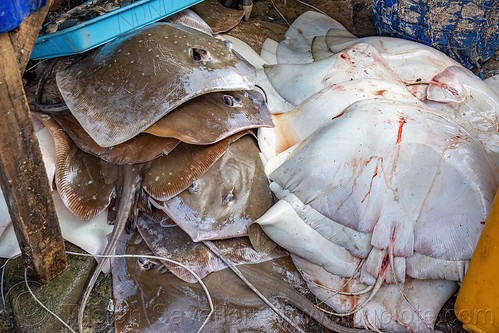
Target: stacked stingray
point(383, 160)
point(159, 134)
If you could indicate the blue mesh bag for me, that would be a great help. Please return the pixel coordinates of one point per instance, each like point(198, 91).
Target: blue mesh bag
point(466, 30)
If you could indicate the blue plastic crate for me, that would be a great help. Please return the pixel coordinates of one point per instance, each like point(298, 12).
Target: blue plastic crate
point(102, 29)
point(467, 30)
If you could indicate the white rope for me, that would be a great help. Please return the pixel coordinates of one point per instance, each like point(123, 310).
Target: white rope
point(41, 304)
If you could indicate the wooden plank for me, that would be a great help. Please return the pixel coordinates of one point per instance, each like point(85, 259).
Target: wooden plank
point(23, 179)
point(23, 37)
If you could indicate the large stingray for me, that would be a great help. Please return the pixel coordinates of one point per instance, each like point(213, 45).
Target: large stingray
point(212, 117)
point(150, 299)
point(123, 87)
point(361, 61)
point(85, 182)
point(173, 243)
point(413, 62)
point(169, 175)
point(329, 103)
point(141, 148)
point(231, 195)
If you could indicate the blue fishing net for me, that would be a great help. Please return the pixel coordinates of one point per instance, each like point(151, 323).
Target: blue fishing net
point(466, 30)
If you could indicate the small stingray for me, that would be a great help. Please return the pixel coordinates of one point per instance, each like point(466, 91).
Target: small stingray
point(217, 16)
point(296, 48)
point(169, 175)
point(230, 196)
point(128, 84)
point(212, 117)
point(142, 148)
point(173, 243)
point(190, 19)
point(83, 186)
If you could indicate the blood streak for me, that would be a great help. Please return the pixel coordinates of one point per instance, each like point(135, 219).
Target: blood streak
point(402, 122)
point(371, 183)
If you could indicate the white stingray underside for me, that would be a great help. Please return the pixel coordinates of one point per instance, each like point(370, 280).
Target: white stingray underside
point(296, 47)
point(389, 168)
point(295, 84)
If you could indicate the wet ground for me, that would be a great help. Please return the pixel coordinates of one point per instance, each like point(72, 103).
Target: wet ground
point(269, 19)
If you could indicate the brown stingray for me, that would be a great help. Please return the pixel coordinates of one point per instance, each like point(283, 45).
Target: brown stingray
point(123, 87)
point(169, 175)
point(231, 195)
point(142, 148)
point(212, 117)
point(173, 243)
point(219, 18)
point(148, 298)
point(85, 182)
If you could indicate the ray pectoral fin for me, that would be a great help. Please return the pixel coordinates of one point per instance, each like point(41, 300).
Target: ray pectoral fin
point(169, 175)
point(79, 177)
point(139, 149)
point(286, 228)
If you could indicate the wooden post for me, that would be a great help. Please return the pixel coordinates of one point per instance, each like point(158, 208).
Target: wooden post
point(22, 173)
point(23, 37)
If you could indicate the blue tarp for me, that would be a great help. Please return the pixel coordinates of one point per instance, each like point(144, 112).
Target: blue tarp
point(13, 12)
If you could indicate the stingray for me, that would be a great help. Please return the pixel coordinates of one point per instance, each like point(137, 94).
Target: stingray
point(148, 298)
point(173, 243)
point(296, 125)
point(414, 63)
point(123, 87)
point(190, 19)
point(85, 182)
point(296, 47)
point(212, 117)
point(295, 83)
point(141, 148)
point(230, 195)
point(217, 16)
point(169, 175)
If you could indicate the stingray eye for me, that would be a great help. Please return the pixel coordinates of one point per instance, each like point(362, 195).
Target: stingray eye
point(232, 101)
point(145, 264)
point(228, 198)
point(194, 187)
point(200, 55)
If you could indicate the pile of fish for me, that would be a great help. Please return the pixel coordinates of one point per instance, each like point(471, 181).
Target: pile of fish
point(383, 155)
point(384, 158)
point(159, 138)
